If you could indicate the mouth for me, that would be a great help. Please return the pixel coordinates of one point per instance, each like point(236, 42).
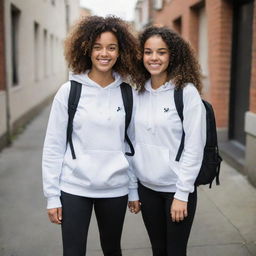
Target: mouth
point(104, 61)
point(154, 65)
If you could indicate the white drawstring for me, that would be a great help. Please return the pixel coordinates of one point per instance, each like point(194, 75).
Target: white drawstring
point(152, 112)
point(109, 105)
point(149, 122)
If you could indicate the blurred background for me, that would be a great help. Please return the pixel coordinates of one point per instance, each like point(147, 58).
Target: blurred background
point(221, 32)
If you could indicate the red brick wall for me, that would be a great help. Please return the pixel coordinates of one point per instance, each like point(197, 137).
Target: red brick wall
point(193, 32)
point(219, 16)
point(253, 76)
point(2, 53)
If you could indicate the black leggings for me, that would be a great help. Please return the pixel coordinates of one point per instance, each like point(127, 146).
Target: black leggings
point(77, 211)
point(167, 238)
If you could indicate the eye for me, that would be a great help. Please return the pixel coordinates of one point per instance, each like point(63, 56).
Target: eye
point(96, 47)
point(147, 52)
point(112, 48)
point(162, 53)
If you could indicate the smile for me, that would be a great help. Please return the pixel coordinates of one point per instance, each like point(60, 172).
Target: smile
point(104, 61)
point(154, 65)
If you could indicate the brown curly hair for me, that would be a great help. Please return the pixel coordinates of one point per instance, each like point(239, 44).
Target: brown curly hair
point(183, 67)
point(78, 45)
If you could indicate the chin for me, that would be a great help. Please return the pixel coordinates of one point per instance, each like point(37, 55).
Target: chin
point(154, 72)
point(104, 69)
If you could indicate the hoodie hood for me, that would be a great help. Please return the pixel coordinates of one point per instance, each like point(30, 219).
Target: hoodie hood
point(101, 92)
point(165, 87)
point(85, 80)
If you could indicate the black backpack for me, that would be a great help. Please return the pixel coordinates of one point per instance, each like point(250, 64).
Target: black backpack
point(210, 168)
point(73, 99)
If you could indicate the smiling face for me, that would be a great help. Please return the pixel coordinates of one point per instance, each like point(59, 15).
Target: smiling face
point(156, 56)
point(104, 52)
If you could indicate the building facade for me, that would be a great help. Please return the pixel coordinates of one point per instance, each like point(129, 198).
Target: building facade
point(143, 13)
point(32, 65)
point(223, 35)
point(84, 12)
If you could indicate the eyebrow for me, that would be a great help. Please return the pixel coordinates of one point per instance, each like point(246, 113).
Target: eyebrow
point(109, 44)
point(157, 49)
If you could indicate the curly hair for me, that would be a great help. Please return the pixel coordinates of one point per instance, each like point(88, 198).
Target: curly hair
point(78, 45)
point(183, 66)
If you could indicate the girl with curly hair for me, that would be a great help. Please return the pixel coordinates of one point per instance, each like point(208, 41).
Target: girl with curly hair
point(166, 187)
point(101, 53)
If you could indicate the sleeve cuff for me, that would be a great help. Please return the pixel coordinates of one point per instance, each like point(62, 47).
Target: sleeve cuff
point(181, 195)
point(133, 195)
point(53, 202)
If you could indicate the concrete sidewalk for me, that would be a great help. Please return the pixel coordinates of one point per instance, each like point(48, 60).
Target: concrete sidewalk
point(225, 223)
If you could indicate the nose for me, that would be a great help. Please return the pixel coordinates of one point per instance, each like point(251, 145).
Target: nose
point(103, 52)
point(154, 56)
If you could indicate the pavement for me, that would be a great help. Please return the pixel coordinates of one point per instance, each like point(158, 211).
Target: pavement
point(225, 222)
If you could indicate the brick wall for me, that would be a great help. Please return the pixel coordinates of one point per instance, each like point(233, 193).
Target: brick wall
point(253, 76)
point(219, 15)
point(2, 55)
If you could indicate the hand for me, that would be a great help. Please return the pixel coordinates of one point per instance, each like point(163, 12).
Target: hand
point(134, 206)
point(178, 210)
point(55, 215)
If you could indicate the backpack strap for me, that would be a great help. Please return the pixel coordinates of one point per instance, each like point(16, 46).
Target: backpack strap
point(73, 99)
point(127, 96)
point(178, 99)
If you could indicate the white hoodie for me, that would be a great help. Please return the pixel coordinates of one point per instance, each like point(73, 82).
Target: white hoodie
point(101, 168)
point(158, 131)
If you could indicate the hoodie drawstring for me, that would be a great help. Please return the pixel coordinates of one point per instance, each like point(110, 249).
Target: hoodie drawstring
point(109, 104)
point(152, 113)
point(149, 122)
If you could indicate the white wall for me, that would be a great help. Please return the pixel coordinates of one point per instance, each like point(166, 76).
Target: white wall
point(51, 67)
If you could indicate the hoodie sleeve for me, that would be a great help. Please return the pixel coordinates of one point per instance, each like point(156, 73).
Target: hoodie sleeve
point(55, 147)
point(195, 137)
point(133, 182)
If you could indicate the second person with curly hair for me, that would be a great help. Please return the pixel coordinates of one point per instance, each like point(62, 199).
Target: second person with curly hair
point(91, 170)
point(166, 187)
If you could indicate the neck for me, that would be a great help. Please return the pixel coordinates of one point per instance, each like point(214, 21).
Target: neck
point(158, 80)
point(101, 78)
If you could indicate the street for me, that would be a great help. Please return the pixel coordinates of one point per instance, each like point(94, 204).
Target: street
point(225, 222)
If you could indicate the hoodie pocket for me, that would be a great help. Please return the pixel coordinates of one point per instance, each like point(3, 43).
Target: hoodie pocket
point(152, 165)
point(101, 169)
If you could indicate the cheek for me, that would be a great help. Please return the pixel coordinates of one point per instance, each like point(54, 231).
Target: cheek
point(93, 55)
point(115, 55)
point(145, 59)
point(166, 61)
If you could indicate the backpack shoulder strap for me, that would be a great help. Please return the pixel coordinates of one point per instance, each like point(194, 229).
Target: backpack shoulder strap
point(178, 99)
point(212, 140)
point(73, 99)
point(127, 96)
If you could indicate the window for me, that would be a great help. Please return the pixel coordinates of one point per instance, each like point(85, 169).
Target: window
point(15, 18)
point(158, 5)
point(36, 51)
point(45, 52)
point(67, 16)
point(177, 24)
point(52, 52)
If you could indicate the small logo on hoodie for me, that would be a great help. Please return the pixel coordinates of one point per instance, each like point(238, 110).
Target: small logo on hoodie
point(118, 109)
point(166, 110)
